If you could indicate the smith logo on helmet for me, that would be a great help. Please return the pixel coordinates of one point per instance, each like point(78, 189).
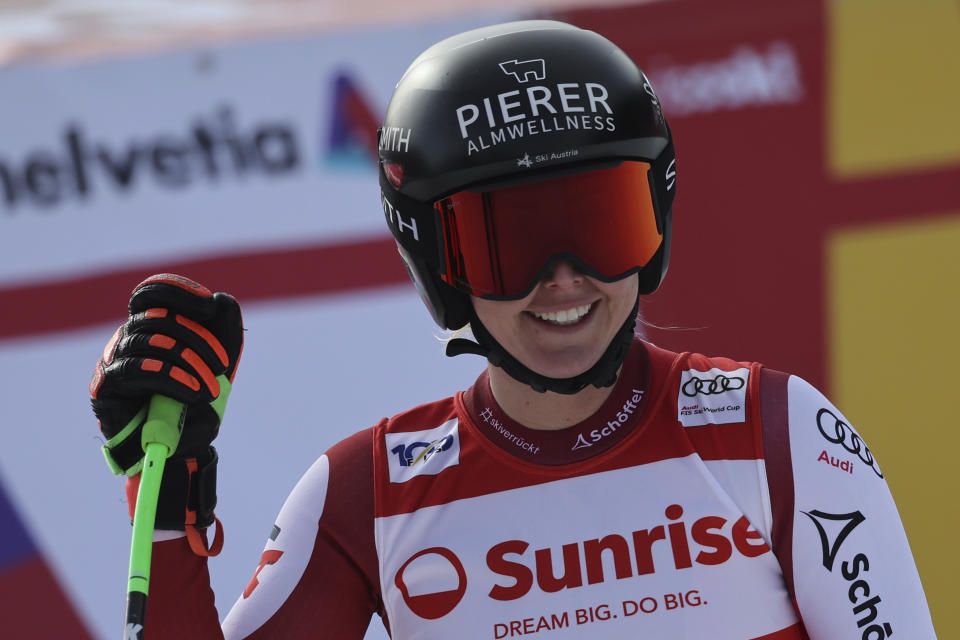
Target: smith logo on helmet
point(395, 219)
point(396, 139)
point(536, 109)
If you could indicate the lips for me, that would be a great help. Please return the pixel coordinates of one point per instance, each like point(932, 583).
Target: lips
point(564, 317)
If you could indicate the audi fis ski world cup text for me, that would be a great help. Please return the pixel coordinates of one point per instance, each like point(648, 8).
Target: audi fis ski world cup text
point(533, 109)
point(712, 397)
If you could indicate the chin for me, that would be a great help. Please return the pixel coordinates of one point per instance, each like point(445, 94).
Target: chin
point(564, 365)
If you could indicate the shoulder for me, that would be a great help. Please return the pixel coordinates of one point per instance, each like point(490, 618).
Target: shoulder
point(424, 416)
point(350, 461)
point(789, 402)
point(356, 450)
point(706, 390)
point(353, 450)
point(817, 431)
point(407, 444)
point(698, 374)
point(702, 369)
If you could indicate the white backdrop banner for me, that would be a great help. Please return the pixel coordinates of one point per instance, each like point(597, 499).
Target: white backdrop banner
point(225, 151)
point(194, 151)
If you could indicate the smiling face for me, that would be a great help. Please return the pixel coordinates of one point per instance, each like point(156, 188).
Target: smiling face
point(565, 324)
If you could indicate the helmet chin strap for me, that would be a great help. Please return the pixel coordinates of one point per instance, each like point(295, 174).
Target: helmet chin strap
point(602, 374)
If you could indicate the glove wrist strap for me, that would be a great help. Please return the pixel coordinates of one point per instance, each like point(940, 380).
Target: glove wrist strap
point(198, 542)
point(188, 496)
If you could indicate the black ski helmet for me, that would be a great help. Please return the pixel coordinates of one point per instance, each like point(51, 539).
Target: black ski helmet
point(512, 104)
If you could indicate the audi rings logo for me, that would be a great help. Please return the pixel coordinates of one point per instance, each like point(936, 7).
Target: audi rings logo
point(711, 386)
point(439, 568)
point(713, 396)
point(839, 432)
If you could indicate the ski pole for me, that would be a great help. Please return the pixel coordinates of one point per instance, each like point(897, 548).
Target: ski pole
point(160, 436)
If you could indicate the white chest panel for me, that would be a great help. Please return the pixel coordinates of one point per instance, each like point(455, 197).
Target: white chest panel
point(618, 554)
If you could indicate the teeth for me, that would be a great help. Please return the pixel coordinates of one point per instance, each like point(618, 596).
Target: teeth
point(566, 316)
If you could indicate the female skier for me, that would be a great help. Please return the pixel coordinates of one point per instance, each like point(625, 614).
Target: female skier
point(588, 484)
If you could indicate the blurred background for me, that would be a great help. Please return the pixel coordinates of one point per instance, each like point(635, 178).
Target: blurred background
point(816, 230)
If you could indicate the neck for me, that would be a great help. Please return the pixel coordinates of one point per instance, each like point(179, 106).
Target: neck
point(546, 411)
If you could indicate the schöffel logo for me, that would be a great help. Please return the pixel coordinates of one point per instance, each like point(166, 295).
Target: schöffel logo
point(421, 453)
point(831, 547)
point(629, 407)
point(839, 432)
point(712, 397)
point(834, 530)
point(524, 71)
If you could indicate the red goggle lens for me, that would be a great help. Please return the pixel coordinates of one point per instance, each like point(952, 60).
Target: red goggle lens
point(497, 243)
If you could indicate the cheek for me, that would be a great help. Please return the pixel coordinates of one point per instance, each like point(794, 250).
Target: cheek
point(623, 294)
point(482, 308)
point(496, 313)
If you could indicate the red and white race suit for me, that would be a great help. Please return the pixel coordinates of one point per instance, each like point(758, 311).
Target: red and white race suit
point(707, 498)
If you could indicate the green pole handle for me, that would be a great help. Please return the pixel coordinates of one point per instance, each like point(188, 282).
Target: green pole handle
point(160, 436)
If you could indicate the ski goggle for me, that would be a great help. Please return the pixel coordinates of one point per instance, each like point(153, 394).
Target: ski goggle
point(498, 244)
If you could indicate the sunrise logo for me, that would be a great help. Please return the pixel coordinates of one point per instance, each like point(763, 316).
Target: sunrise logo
point(432, 582)
point(352, 134)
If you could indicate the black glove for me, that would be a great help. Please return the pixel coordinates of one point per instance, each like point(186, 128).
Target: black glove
point(184, 342)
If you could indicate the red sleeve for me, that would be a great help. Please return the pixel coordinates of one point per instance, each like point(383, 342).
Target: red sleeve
point(836, 528)
point(779, 467)
point(318, 572)
point(180, 603)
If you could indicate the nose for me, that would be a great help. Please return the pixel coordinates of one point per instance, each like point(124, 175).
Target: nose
point(563, 275)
